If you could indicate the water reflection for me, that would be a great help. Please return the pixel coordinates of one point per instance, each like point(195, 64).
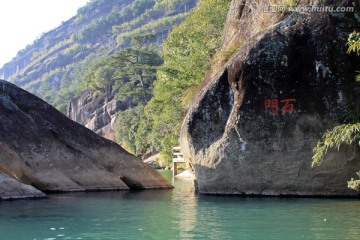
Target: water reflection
point(185, 206)
point(177, 214)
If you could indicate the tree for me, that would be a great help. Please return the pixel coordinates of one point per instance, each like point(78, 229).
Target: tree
point(136, 67)
point(187, 57)
point(132, 71)
point(343, 134)
point(102, 76)
point(133, 68)
point(98, 75)
point(127, 125)
point(135, 73)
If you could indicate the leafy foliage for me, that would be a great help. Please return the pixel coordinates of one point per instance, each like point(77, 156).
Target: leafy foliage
point(354, 43)
point(138, 66)
point(345, 133)
point(53, 66)
point(354, 184)
point(133, 130)
point(102, 45)
point(128, 124)
point(354, 46)
point(187, 57)
point(132, 69)
point(131, 73)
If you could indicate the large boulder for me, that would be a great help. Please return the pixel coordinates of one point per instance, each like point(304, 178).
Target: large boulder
point(251, 128)
point(41, 147)
point(13, 189)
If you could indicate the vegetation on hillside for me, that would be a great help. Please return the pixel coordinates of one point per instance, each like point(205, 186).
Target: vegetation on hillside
point(131, 72)
point(53, 66)
point(348, 133)
point(187, 55)
point(120, 43)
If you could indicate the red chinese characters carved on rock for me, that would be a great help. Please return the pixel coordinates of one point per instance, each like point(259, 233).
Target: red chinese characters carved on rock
point(273, 105)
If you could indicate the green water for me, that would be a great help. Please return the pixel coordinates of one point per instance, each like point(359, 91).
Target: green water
point(177, 214)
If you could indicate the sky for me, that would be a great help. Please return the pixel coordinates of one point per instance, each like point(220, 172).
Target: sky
point(22, 21)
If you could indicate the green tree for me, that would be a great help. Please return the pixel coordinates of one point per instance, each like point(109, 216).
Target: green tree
point(187, 57)
point(345, 133)
point(135, 73)
point(98, 75)
point(132, 71)
point(136, 67)
point(92, 33)
point(127, 125)
point(133, 130)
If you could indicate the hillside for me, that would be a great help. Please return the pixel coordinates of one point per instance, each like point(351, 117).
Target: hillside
point(53, 66)
point(138, 96)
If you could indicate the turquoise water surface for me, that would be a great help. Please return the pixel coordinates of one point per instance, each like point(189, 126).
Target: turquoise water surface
point(177, 214)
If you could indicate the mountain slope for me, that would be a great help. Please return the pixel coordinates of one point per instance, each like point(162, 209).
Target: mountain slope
point(52, 67)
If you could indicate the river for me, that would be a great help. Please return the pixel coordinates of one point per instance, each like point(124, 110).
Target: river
point(177, 214)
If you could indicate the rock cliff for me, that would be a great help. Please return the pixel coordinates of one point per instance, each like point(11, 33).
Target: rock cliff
point(97, 111)
point(41, 147)
point(251, 128)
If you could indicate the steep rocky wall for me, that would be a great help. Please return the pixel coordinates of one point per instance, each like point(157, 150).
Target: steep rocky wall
point(251, 129)
point(41, 147)
point(97, 111)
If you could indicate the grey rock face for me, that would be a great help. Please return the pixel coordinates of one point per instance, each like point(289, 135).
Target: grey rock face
point(252, 128)
point(41, 147)
point(97, 111)
point(12, 189)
